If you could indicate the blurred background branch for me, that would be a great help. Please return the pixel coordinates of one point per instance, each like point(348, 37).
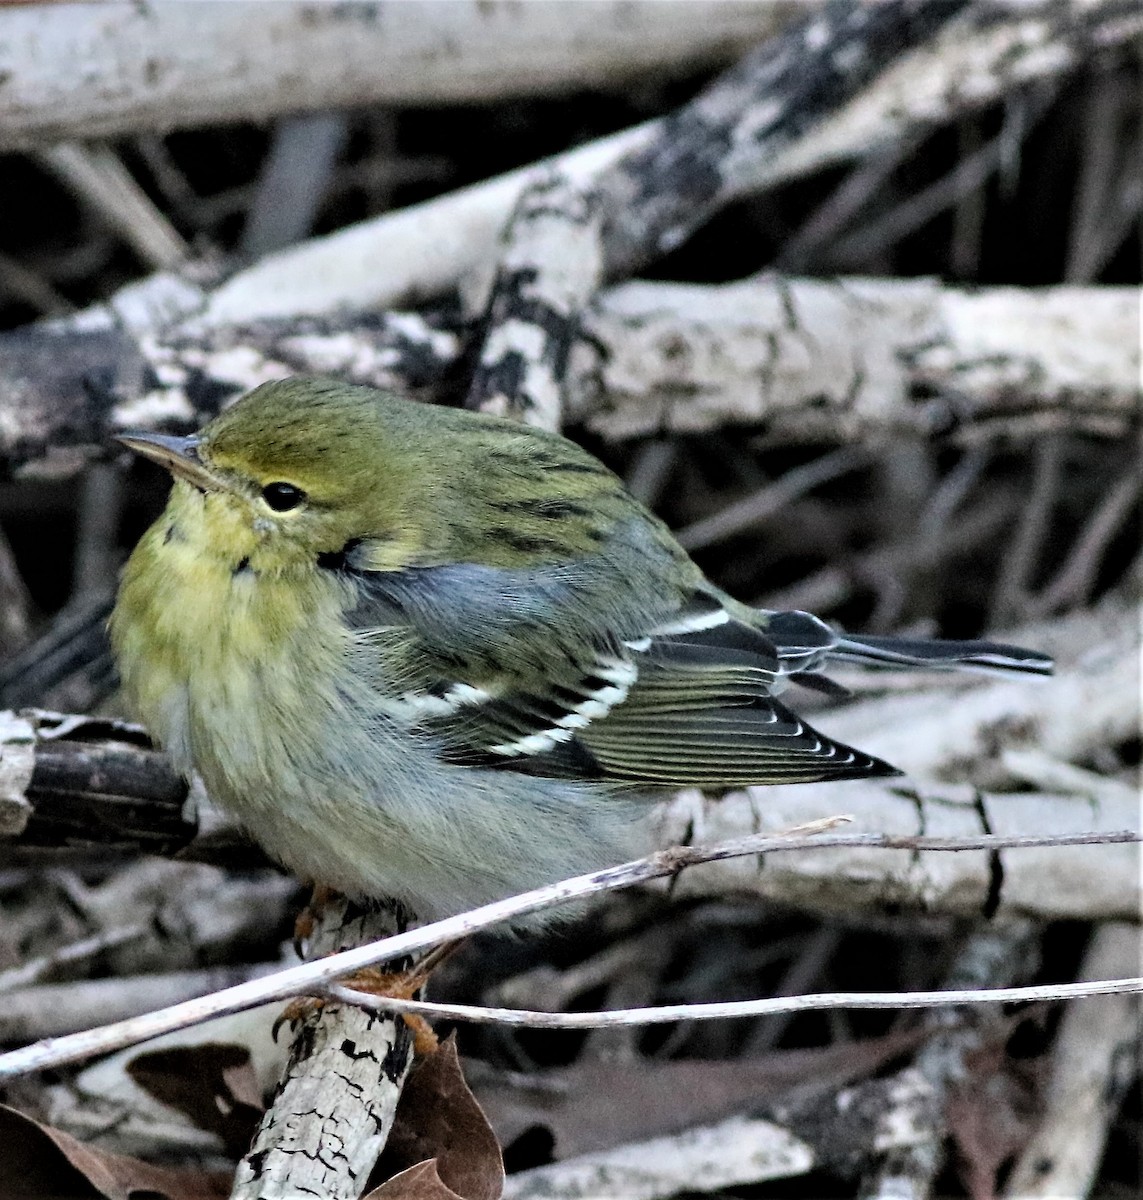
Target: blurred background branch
point(882, 362)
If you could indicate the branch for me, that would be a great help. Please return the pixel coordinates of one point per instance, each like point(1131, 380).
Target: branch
point(88, 781)
point(427, 249)
point(334, 1106)
point(740, 1150)
point(721, 144)
point(663, 1014)
point(317, 976)
point(167, 68)
point(993, 954)
point(563, 236)
point(855, 358)
point(551, 265)
point(1087, 1079)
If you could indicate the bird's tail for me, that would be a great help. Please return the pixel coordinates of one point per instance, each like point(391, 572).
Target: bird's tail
point(934, 654)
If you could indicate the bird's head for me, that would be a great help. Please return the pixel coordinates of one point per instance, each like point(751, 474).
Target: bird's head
point(292, 475)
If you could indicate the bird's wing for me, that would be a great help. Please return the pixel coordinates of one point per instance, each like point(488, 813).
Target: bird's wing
point(682, 697)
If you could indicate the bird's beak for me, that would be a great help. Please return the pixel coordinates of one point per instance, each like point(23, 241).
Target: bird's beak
point(178, 454)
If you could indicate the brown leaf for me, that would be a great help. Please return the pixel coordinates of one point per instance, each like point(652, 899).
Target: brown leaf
point(212, 1083)
point(991, 1113)
point(441, 1138)
point(42, 1163)
point(419, 1182)
point(596, 1106)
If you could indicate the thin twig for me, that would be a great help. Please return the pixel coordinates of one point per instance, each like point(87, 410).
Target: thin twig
point(99, 177)
point(966, 177)
point(752, 510)
point(1016, 567)
point(769, 1006)
point(35, 969)
point(1099, 174)
point(1074, 581)
point(841, 206)
point(316, 976)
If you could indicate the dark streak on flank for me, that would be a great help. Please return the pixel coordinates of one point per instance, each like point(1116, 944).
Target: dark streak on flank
point(578, 468)
point(524, 543)
point(548, 510)
point(242, 567)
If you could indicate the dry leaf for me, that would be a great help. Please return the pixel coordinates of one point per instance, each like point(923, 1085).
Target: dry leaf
point(419, 1182)
point(212, 1083)
point(599, 1105)
point(442, 1146)
point(991, 1114)
point(41, 1163)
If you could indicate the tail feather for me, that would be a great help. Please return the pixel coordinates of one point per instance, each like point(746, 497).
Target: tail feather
point(933, 654)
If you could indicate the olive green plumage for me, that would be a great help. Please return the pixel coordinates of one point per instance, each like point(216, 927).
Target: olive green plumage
point(424, 653)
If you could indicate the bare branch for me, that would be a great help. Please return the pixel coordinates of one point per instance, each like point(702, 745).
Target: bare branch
point(335, 1103)
point(316, 976)
point(771, 1005)
point(811, 359)
point(427, 249)
point(170, 68)
point(1094, 1056)
point(991, 957)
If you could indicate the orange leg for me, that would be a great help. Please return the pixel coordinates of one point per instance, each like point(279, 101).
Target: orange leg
point(403, 985)
point(398, 985)
point(306, 921)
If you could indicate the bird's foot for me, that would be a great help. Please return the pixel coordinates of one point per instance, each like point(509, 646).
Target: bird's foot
point(306, 921)
point(297, 1010)
point(399, 985)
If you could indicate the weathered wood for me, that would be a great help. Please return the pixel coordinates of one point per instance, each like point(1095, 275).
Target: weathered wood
point(169, 67)
point(91, 782)
point(427, 250)
point(808, 359)
point(551, 266)
point(1092, 1064)
point(563, 237)
point(335, 1104)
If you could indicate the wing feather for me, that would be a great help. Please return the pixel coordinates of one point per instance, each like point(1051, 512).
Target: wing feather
point(684, 696)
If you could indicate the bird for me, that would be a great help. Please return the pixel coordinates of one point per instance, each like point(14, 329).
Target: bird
point(441, 657)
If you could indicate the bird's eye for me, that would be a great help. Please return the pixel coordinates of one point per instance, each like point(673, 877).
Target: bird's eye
point(281, 497)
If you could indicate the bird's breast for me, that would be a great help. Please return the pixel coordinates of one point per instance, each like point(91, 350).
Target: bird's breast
point(235, 672)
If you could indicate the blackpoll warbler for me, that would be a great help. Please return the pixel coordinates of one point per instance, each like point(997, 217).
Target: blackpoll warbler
point(438, 656)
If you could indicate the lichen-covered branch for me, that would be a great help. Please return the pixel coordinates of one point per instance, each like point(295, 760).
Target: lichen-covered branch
point(807, 358)
point(721, 144)
point(551, 266)
point(334, 1106)
point(563, 237)
point(426, 250)
point(854, 358)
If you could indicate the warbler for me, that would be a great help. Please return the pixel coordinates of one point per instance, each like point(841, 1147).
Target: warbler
point(443, 657)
